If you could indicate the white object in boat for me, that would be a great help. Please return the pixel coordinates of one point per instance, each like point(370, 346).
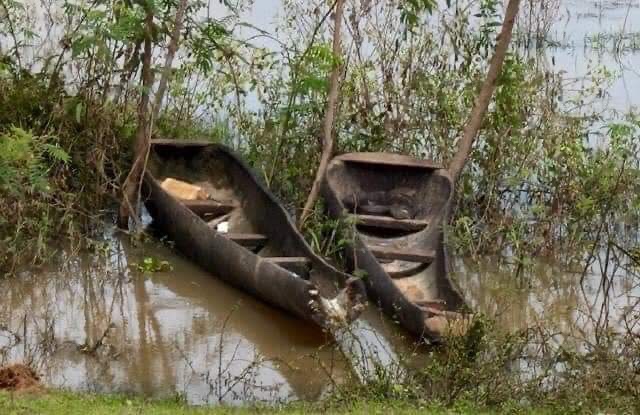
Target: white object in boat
point(223, 227)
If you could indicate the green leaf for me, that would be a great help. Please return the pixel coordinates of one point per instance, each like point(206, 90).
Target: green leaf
point(57, 153)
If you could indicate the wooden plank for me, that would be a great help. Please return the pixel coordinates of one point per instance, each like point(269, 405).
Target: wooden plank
point(299, 265)
point(288, 259)
point(387, 222)
point(182, 190)
point(247, 239)
point(403, 254)
point(213, 224)
point(208, 207)
point(389, 159)
point(397, 272)
point(439, 305)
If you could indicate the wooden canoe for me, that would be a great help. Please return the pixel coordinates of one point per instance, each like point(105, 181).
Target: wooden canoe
point(258, 249)
point(398, 205)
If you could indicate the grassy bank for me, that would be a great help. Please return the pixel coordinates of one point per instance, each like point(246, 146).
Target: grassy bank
point(59, 402)
point(70, 403)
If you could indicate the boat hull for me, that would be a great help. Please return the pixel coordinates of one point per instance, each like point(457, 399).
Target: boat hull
point(235, 264)
point(409, 298)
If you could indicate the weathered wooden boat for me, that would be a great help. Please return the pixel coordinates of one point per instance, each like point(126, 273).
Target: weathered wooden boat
point(243, 235)
point(398, 205)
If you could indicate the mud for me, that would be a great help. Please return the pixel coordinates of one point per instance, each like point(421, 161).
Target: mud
point(19, 378)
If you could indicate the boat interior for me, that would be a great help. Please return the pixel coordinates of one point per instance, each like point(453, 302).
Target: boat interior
point(397, 204)
point(230, 202)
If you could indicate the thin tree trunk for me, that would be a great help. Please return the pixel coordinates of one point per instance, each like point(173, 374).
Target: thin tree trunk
point(171, 53)
point(131, 186)
point(284, 124)
point(486, 92)
point(130, 67)
point(329, 116)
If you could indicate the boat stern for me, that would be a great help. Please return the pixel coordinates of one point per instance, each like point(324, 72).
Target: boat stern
point(440, 325)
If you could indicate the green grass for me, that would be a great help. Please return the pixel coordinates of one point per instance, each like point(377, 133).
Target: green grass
point(68, 403)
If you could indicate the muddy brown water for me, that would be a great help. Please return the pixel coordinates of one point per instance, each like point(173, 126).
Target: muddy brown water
point(97, 323)
point(575, 304)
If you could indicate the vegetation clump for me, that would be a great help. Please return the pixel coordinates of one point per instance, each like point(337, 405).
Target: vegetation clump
point(405, 86)
point(520, 372)
point(59, 168)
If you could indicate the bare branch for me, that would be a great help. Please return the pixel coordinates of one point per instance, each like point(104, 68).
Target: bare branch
point(329, 116)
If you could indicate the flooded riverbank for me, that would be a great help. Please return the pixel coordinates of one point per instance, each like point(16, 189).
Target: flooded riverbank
point(99, 323)
point(597, 39)
point(111, 322)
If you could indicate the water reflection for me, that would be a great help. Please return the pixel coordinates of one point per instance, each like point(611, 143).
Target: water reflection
point(96, 323)
point(575, 303)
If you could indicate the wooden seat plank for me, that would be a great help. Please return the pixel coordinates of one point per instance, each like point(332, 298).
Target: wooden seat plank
point(247, 239)
point(387, 222)
point(208, 207)
point(406, 271)
point(403, 254)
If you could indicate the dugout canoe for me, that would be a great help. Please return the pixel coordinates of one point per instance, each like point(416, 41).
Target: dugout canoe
point(398, 206)
point(243, 235)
